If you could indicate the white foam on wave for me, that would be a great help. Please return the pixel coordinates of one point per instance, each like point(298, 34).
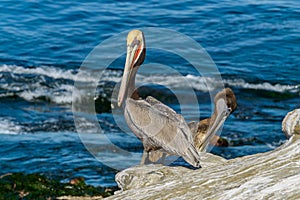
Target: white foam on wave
point(60, 95)
point(176, 81)
point(240, 83)
point(197, 82)
point(60, 91)
point(48, 71)
point(7, 126)
point(42, 70)
point(206, 83)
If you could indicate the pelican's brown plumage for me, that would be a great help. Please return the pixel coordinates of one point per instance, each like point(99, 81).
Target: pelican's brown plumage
point(158, 127)
point(205, 130)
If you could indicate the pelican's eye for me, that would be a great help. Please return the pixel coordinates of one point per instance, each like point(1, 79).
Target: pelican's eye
point(228, 111)
point(135, 42)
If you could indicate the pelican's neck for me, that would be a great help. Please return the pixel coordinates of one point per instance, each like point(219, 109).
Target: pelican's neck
point(213, 117)
point(220, 113)
point(131, 84)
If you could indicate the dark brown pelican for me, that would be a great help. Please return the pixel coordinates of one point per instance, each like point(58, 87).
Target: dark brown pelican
point(205, 130)
point(158, 127)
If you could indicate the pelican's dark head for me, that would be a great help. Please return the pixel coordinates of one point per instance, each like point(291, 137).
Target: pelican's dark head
point(225, 104)
point(228, 97)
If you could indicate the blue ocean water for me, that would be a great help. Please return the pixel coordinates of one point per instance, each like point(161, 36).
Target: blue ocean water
point(255, 45)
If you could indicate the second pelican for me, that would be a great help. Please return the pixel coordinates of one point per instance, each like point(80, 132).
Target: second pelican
point(205, 131)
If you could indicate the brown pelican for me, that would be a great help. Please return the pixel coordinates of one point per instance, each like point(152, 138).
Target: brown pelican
point(205, 130)
point(158, 127)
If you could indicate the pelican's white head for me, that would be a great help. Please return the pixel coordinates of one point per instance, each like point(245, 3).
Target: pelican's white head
point(136, 51)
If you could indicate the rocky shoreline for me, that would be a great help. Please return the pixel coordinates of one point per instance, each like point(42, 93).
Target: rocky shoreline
point(270, 175)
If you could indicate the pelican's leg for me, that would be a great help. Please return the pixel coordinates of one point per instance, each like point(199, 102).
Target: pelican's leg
point(154, 156)
point(144, 157)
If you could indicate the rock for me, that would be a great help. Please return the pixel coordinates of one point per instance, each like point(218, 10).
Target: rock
point(291, 123)
point(270, 175)
point(79, 198)
point(145, 175)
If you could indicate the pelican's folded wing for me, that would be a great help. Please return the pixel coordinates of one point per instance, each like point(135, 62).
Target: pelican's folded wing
point(160, 106)
point(166, 110)
point(160, 126)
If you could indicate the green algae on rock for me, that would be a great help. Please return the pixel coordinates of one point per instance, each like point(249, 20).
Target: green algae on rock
point(36, 186)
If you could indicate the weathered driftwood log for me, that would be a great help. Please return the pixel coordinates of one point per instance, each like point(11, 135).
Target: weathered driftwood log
point(270, 175)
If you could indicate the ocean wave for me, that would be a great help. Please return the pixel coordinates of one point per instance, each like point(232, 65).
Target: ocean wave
point(240, 83)
point(47, 123)
point(46, 83)
point(8, 126)
point(202, 83)
point(41, 70)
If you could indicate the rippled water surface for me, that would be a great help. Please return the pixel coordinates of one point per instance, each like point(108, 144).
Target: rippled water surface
point(255, 45)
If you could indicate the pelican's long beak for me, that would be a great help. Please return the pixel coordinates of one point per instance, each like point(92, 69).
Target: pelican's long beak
point(126, 76)
point(222, 113)
point(135, 47)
